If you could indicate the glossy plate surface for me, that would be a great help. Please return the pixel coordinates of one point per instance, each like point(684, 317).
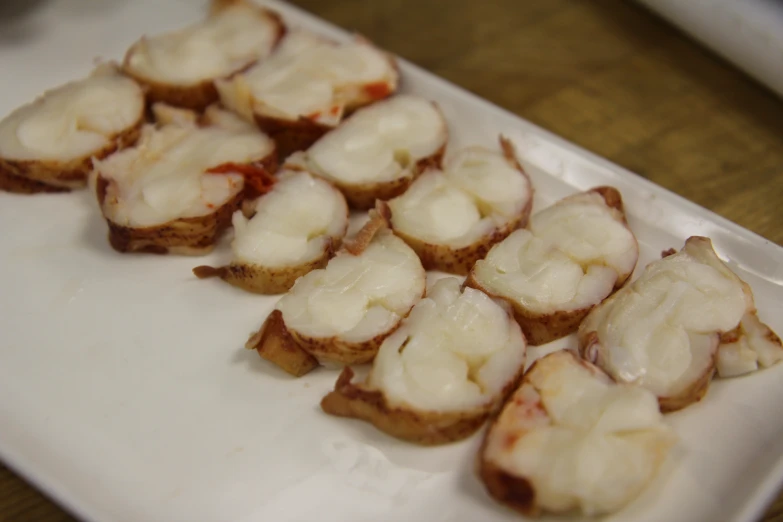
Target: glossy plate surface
point(126, 394)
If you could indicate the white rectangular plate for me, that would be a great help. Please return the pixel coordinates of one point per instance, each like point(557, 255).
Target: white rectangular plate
point(125, 392)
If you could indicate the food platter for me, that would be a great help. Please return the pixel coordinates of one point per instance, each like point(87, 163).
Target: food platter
point(126, 393)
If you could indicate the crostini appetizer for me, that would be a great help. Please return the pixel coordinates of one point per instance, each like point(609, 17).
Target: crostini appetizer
point(378, 152)
point(438, 378)
point(49, 145)
point(295, 228)
point(177, 188)
point(664, 331)
point(452, 217)
point(570, 439)
point(180, 68)
point(308, 85)
point(342, 313)
point(574, 255)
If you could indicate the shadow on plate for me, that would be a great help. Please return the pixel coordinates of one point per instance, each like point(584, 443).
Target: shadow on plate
point(96, 231)
point(17, 24)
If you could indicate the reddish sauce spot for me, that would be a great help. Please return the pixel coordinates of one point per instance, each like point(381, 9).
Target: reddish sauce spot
point(527, 409)
point(314, 116)
point(509, 439)
point(334, 110)
point(255, 175)
point(377, 90)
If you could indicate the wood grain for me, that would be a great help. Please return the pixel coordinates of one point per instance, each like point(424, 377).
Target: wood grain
point(604, 74)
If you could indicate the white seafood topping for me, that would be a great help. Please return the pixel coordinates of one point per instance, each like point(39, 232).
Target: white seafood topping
point(457, 350)
point(356, 297)
point(572, 257)
point(477, 192)
point(73, 121)
point(293, 223)
point(751, 347)
point(165, 176)
point(229, 40)
point(311, 77)
point(662, 332)
point(579, 440)
point(379, 143)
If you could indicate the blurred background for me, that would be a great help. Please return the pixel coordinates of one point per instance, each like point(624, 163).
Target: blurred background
point(749, 33)
point(612, 76)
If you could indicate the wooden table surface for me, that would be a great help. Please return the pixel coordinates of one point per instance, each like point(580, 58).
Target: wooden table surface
point(606, 75)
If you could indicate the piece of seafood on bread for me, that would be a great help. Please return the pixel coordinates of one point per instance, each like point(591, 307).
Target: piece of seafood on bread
point(176, 189)
point(180, 67)
point(447, 368)
point(293, 229)
point(664, 331)
point(342, 313)
point(452, 217)
point(49, 145)
point(570, 439)
point(308, 85)
point(379, 151)
point(574, 255)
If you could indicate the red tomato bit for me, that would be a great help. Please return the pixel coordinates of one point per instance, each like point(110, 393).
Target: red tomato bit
point(377, 90)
